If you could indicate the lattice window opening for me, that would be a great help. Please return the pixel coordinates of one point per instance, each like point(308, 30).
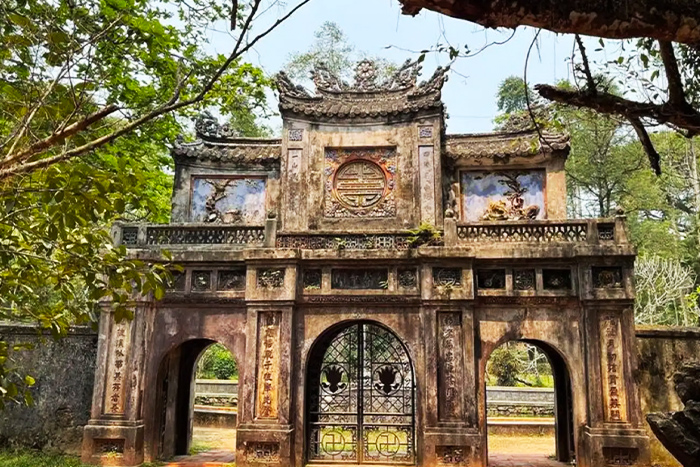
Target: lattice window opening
point(524, 279)
point(360, 279)
point(204, 235)
point(407, 278)
point(556, 279)
point(606, 232)
point(130, 235)
point(447, 277)
point(201, 281)
point(607, 277)
point(231, 279)
point(312, 279)
point(177, 281)
point(491, 279)
point(271, 278)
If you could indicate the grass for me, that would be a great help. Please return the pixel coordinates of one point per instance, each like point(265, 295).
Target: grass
point(29, 458)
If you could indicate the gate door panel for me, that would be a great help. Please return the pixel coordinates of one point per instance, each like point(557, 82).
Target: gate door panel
point(361, 399)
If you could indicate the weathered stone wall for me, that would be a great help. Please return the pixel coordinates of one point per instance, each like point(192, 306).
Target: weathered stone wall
point(64, 371)
point(661, 351)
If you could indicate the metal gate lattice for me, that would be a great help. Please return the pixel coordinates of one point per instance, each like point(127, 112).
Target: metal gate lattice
point(361, 399)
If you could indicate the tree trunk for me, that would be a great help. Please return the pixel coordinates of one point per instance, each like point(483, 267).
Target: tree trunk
point(667, 20)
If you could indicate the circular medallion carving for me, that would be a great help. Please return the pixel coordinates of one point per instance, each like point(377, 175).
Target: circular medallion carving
point(359, 184)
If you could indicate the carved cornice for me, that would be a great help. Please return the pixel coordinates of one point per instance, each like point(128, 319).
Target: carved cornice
point(366, 97)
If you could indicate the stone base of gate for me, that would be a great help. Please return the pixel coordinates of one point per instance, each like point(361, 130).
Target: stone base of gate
point(617, 445)
point(112, 443)
point(450, 445)
point(270, 445)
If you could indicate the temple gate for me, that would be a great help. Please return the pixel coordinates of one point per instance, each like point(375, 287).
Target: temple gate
point(362, 269)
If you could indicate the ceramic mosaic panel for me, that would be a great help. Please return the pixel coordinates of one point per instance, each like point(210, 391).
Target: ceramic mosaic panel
point(503, 195)
point(228, 200)
point(360, 182)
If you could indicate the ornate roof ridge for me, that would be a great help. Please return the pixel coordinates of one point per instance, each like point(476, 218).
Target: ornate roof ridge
point(508, 135)
point(366, 97)
point(505, 144)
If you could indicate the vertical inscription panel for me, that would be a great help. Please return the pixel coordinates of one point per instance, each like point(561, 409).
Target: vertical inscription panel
point(427, 184)
point(614, 398)
point(266, 406)
point(450, 367)
point(120, 340)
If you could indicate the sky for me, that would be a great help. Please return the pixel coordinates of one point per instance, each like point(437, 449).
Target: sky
point(378, 28)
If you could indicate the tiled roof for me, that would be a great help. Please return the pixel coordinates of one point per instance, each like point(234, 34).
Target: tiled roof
point(505, 145)
point(366, 98)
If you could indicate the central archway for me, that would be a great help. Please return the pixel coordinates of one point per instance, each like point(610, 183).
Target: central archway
point(360, 393)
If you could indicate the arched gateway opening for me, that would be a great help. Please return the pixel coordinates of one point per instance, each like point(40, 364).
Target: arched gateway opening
point(360, 393)
point(530, 387)
point(186, 426)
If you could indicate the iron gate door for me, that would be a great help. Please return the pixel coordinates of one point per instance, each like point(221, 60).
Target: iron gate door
point(361, 399)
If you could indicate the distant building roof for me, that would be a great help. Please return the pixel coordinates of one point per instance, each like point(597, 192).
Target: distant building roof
point(398, 95)
point(505, 145)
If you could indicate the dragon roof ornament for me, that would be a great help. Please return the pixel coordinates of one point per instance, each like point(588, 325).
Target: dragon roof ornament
point(367, 96)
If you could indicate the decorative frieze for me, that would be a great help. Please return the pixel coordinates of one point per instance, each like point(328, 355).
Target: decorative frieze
point(426, 173)
point(607, 277)
point(109, 446)
point(491, 278)
point(345, 242)
point(262, 453)
point(360, 279)
point(523, 232)
point(612, 368)
point(201, 281)
point(450, 367)
point(205, 235)
point(272, 278)
point(524, 279)
point(268, 364)
point(232, 279)
point(556, 279)
point(117, 376)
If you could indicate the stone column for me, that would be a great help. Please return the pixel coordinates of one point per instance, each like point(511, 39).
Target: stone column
point(613, 435)
point(114, 434)
point(265, 432)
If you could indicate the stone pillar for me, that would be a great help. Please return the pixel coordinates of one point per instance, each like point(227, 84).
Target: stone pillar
point(613, 435)
point(114, 434)
point(265, 432)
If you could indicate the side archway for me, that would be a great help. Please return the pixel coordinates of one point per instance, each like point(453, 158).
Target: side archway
point(360, 397)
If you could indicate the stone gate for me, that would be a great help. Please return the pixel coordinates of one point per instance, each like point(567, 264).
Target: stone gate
point(362, 269)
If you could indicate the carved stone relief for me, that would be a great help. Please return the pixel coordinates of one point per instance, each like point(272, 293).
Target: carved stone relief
point(524, 279)
point(233, 279)
point(262, 453)
point(447, 277)
point(614, 395)
point(491, 278)
point(312, 279)
point(427, 183)
point(359, 279)
point(408, 278)
point(268, 364)
point(201, 281)
point(359, 182)
point(295, 134)
point(450, 367)
point(556, 279)
point(620, 456)
point(452, 455)
point(270, 278)
point(607, 277)
point(425, 132)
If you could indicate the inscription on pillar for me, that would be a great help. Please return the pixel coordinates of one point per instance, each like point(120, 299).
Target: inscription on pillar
point(612, 369)
point(450, 367)
point(427, 183)
point(116, 374)
point(451, 455)
point(268, 364)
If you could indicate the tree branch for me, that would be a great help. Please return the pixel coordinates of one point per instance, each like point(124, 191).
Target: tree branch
point(592, 88)
point(676, 94)
point(654, 158)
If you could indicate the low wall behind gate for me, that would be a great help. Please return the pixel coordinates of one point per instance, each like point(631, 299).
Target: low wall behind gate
point(660, 352)
point(64, 371)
